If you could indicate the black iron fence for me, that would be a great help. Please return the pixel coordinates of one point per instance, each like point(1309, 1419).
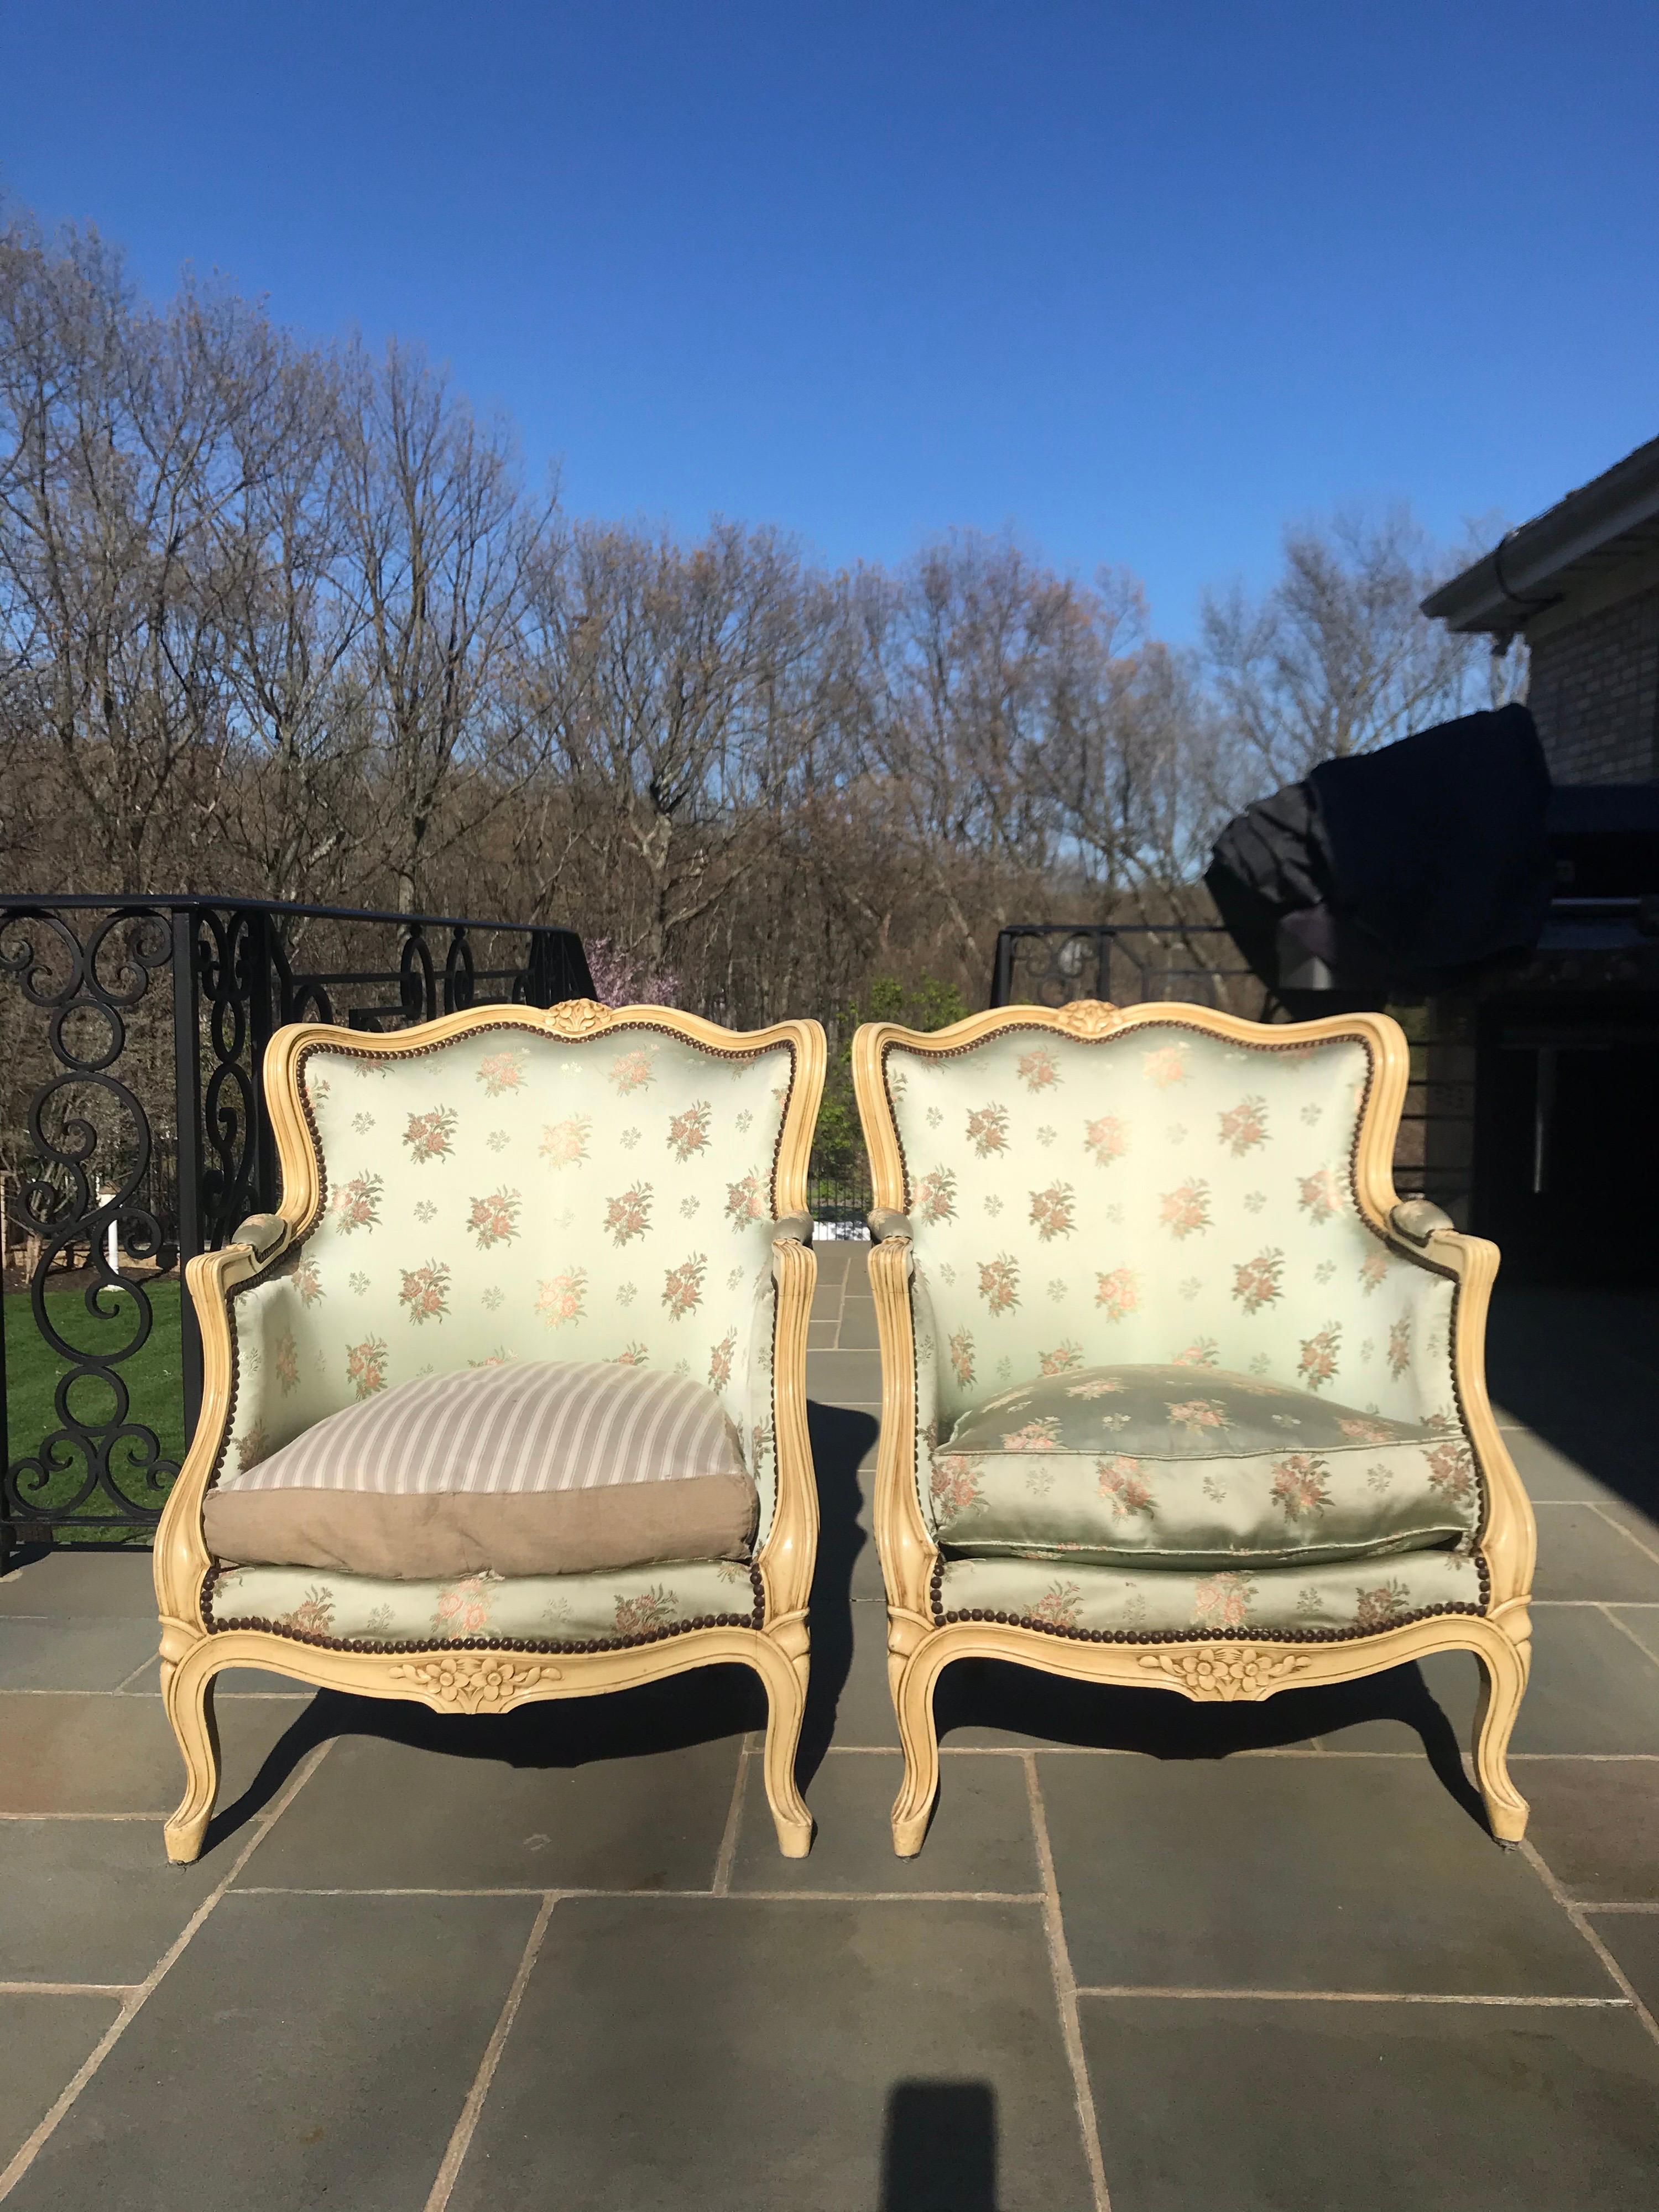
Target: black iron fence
point(134, 1123)
point(1050, 964)
point(838, 1203)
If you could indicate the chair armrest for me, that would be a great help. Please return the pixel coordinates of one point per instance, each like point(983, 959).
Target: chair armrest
point(886, 1225)
point(792, 1229)
point(1415, 1220)
point(263, 1234)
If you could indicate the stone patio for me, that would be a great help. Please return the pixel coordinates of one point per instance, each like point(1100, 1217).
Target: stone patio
point(1152, 1955)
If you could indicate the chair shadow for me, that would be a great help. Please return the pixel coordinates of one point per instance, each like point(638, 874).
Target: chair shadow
point(840, 1440)
point(25, 1552)
point(1163, 1724)
point(707, 1707)
point(939, 2150)
point(1578, 1367)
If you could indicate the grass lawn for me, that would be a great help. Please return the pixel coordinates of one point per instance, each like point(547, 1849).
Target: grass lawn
point(154, 1378)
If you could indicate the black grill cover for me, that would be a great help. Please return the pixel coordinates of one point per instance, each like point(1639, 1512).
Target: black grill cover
point(1407, 869)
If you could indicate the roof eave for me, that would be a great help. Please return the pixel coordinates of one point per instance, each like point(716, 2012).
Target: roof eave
point(1525, 571)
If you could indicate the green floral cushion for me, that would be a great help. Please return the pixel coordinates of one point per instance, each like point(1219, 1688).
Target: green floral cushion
point(1183, 1467)
point(1158, 1195)
point(1353, 1599)
point(631, 1604)
point(512, 1195)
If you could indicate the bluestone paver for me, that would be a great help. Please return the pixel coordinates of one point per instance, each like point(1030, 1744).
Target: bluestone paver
point(303, 2052)
point(1332, 2107)
point(747, 2055)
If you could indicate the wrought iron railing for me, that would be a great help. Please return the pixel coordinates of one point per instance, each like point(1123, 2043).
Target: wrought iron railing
point(131, 1044)
point(839, 1203)
point(1047, 963)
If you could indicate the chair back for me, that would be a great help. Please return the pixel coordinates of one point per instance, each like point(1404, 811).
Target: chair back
point(1166, 1184)
point(505, 1185)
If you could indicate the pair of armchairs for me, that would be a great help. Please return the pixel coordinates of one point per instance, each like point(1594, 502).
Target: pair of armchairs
point(509, 1401)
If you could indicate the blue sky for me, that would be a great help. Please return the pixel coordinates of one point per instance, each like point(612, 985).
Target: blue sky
point(1140, 282)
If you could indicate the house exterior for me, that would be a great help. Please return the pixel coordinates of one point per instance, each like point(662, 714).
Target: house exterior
point(1580, 582)
point(1534, 1093)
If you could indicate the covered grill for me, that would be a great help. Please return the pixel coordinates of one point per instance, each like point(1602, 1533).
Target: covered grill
point(1445, 872)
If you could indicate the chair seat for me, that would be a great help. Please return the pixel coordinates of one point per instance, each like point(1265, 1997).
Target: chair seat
point(1185, 1469)
point(542, 1467)
point(634, 1605)
point(1356, 1597)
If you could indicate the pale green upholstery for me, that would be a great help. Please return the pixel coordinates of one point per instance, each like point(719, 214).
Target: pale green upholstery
point(1183, 1467)
point(506, 1195)
point(1167, 1198)
point(634, 1604)
point(1353, 1598)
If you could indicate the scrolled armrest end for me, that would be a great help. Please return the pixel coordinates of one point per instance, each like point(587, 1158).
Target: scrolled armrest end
point(263, 1234)
point(887, 1225)
point(1417, 1220)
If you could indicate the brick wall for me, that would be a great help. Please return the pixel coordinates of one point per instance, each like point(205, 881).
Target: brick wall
point(1434, 1154)
point(1594, 692)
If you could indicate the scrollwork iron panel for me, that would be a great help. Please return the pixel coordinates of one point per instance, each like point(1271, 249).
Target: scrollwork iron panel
point(90, 1157)
point(138, 1098)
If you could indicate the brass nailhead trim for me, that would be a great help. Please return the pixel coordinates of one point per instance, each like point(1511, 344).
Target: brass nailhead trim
point(1196, 1635)
point(487, 1643)
point(519, 1029)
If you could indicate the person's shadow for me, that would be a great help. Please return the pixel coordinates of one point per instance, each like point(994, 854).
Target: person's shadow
point(938, 2151)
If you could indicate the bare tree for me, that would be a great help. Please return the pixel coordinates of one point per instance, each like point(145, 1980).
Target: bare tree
point(441, 541)
point(1334, 658)
point(1128, 762)
point(663, 677)
point(292, 633)
point(958, 677)
point(126, 437)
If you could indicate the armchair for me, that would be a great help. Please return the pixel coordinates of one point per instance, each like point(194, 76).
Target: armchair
point(610, 1190)
point(1176, 1392)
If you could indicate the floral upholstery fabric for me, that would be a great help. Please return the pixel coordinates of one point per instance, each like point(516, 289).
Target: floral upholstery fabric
point(512, 1195)
point(1353, 1598)
point(626, 1603)
point(1169, 1466)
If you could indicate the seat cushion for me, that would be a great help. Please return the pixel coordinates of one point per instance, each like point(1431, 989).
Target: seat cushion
point(628, 1605)
point(1345, 1597)
point(541, 1468)
point(1193, 1468)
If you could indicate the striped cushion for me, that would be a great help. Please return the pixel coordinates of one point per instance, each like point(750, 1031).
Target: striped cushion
point(543, 1467)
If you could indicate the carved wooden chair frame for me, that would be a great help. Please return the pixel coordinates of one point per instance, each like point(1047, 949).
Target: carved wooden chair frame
point(920, 1646)
point(490, 1679)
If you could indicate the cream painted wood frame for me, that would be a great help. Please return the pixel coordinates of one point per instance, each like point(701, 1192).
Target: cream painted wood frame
point(484, 1681)
point(919, 1648)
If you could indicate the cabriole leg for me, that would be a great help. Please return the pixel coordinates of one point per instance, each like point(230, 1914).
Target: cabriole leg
point(785, 1707)
point(1502, 1678)
point(187, 1696)
point(913, 1679)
